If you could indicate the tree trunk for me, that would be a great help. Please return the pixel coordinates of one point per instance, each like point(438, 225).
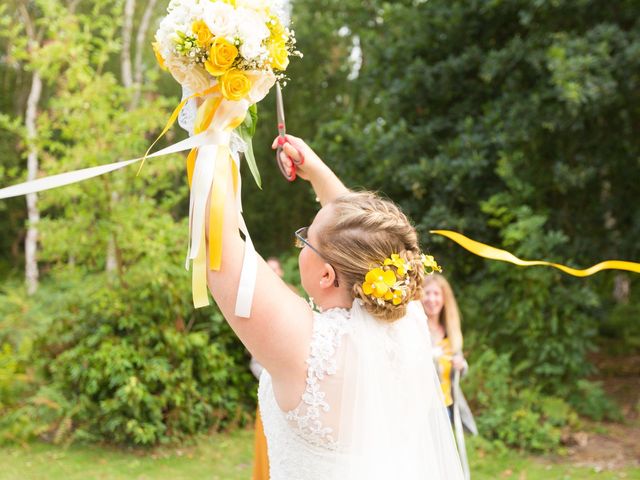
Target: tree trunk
point(33, 214)
point(125, 58)
point(621, 288)
point(112, 247)
point(111, 264)
point(137, 63)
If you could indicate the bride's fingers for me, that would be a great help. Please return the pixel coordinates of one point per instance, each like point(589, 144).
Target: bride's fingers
point(296, 141)
point(292, 152)
point(286, 163)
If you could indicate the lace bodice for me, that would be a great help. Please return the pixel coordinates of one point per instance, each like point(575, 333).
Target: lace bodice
point(303, 442)
point(372, 407)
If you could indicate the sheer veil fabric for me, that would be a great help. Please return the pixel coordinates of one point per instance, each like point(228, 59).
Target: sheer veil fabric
point(393, 422)
point(372, 409)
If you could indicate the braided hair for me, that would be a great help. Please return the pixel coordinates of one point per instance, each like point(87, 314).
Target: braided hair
point(366, 230)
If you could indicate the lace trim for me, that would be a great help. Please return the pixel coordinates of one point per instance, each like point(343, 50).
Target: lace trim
point(327, 333)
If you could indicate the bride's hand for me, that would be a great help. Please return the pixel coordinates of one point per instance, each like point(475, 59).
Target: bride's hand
point(295, 150)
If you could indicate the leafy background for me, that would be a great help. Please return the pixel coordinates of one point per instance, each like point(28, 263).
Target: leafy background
point(515, 123)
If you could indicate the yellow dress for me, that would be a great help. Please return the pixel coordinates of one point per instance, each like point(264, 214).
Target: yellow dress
point(261, 457)
point(444, 370)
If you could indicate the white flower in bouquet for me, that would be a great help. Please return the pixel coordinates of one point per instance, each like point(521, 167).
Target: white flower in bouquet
point(221, 18)
point(253, 51)
point(188, 74)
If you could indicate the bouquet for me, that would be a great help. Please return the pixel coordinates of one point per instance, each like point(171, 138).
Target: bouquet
point(237, 44)
point(228, 53)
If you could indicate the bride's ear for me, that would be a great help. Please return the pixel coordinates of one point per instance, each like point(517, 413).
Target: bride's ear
point(329, 278)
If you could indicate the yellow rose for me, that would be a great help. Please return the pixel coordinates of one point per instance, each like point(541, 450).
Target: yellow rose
point(202, 33)
point(234, 84)
point(222, 54)
point(279, 55)
point(276, 29)
point(156, 50)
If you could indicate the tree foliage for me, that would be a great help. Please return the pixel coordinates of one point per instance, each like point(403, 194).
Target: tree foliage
point(512, 122)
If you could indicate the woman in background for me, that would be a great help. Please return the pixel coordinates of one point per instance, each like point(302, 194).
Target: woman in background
point(443, 319)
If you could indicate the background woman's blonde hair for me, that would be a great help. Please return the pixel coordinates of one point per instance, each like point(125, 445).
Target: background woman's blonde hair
point(366, 230)
point(450, 314)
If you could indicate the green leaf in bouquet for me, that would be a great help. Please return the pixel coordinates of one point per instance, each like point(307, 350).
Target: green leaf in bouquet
point(246, 131)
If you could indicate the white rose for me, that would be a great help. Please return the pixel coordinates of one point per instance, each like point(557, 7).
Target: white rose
point(252, 28)
point(252, 50)
point(260, 6)
point(221, 19)
point(194, 77)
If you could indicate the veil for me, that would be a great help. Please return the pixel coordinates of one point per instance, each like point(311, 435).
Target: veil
point(392, 419)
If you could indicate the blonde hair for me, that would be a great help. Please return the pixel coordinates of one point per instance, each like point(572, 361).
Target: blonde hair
point(450, 314)
point(366, 230)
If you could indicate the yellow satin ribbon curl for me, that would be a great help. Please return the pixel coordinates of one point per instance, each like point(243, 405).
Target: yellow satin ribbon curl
point(174, 117)
point(493, 253)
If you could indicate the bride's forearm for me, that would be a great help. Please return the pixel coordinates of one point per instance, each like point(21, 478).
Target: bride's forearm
point(326, 184)
point(310, 167)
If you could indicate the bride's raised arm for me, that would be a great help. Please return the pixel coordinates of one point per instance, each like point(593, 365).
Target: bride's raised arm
point(278, 331)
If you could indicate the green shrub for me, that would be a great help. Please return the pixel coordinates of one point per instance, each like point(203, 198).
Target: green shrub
point(139, 365)
point(621, 326)
point(122, 359)
point(590, 400)
point(12, 379)
point(511, 413)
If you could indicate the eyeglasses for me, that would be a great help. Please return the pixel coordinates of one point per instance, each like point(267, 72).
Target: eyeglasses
point(301, 241)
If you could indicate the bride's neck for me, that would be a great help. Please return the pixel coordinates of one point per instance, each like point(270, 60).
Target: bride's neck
point(336, 298)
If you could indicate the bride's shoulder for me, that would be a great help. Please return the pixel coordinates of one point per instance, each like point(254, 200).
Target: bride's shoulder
point(331, 320)
point(329, 328)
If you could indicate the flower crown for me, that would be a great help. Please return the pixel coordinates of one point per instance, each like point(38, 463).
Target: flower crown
point(390, 282)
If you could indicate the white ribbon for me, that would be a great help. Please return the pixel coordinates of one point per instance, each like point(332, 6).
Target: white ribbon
point(62, 179)
point(207, 143)
point(248, 276)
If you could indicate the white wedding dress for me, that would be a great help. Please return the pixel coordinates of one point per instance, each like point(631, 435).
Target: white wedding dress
point(372, 408)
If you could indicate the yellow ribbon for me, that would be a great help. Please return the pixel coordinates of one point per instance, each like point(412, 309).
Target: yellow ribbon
point(216, 221)
point(174, 117)
point(205, 113)
point(191, 164)
point(217, 199)
point(493, 253)
point(216, 207)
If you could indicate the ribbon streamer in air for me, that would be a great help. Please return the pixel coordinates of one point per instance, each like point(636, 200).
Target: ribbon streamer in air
point(493, 253)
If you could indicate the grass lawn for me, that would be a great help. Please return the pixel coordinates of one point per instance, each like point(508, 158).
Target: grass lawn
point(228, 457)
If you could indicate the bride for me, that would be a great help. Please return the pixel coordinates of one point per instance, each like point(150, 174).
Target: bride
point(349, 391)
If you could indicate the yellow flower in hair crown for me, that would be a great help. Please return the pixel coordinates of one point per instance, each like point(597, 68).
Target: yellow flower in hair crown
point(399, 263)
point(388, 282)
point(430, 264)
point(377, 282)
